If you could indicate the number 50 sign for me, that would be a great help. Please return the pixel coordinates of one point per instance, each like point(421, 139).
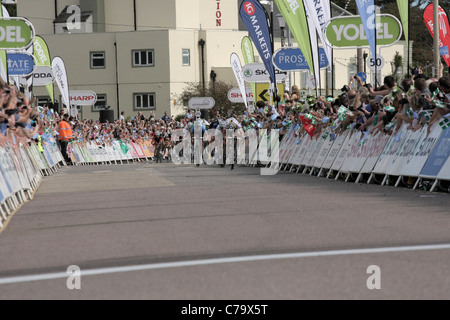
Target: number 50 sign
point(378, 63)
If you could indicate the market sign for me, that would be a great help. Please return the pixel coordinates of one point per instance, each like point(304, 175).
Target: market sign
point(348, 32)
point(15, 33)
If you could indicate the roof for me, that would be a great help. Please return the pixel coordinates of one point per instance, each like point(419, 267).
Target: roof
point(66, 14)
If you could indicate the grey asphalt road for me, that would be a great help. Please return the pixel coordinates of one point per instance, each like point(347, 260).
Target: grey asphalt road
point(167, 232)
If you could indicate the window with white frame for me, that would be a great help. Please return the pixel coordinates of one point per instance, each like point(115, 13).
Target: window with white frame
point(40, 101)
point(143, 58)
point(98, 60)
point(101, 103)
point(186, 57)
point(144, 101)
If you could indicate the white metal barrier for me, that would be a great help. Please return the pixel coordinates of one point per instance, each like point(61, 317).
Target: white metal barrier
point(22, 166)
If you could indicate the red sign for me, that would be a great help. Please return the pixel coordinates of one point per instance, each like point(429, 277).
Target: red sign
point(218, 15)
point(444, 28)
point(249, 8)
point(82, 98)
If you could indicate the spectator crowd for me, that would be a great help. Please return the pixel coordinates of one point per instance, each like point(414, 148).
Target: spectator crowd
point(416, 101)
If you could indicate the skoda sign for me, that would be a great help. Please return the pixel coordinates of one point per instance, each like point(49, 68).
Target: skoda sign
point(43, 76)
point(348, 32)
point(256, 72)
point(16, 33)
point(292, 59)
point(20, 64)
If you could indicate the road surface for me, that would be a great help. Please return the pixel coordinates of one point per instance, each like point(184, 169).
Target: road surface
point(167, 232)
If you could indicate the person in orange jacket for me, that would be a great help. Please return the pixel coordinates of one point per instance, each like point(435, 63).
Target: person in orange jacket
point(65, 136)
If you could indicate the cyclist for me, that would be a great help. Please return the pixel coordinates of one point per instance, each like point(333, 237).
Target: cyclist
point(158, 142)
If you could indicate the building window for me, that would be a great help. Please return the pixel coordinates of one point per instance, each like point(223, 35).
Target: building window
point(143, 58)
point(100, 104)
point(41, 101)
point(144, 101)
point(98, 60)
point(186, 57)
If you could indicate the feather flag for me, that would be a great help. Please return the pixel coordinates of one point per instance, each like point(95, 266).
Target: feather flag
point(293, 11)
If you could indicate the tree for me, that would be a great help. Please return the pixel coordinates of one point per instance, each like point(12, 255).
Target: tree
point(218, 91)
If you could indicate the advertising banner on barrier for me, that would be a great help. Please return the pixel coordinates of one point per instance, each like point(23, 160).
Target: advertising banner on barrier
point(299, 151)
point(335, 149)
point(323, 153)
point(421, 152)
point(342, 155)
point(438, 156)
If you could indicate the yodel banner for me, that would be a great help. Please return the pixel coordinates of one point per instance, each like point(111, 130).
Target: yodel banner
point(349, 32)
point(15, 33)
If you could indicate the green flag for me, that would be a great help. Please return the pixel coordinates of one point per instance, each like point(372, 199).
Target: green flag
point(249, 57)
point(3, 66)
point(293, 12)
point(403, 8)
point(42, 55)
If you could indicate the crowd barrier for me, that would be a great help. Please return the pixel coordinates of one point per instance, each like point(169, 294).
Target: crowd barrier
point(388, 159)
point(350, 155)
point(22, 167)
point(115, 152)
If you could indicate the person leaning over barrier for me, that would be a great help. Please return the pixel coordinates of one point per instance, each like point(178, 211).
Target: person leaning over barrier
point(441, 102)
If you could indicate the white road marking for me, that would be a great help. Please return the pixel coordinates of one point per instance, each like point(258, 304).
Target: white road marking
point(103, 271)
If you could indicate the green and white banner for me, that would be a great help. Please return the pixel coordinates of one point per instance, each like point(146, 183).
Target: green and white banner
point(349, 32)
point(43, 59)
point(294, 13)
point(249, 56)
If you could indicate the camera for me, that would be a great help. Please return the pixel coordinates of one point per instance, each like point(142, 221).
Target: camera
point(440, 96)
point(10, 112)
point(345, 88)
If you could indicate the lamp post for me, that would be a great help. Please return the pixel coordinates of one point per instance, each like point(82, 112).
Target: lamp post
point(282, 24)
point(365, 54)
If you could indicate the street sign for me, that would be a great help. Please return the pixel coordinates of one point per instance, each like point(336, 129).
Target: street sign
point(257, 73)
point(202, 103)
point(379, 63)
point(348, 32)
point(20, 64)
point(235, 96)
point(264, 91)
point(292, 59)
